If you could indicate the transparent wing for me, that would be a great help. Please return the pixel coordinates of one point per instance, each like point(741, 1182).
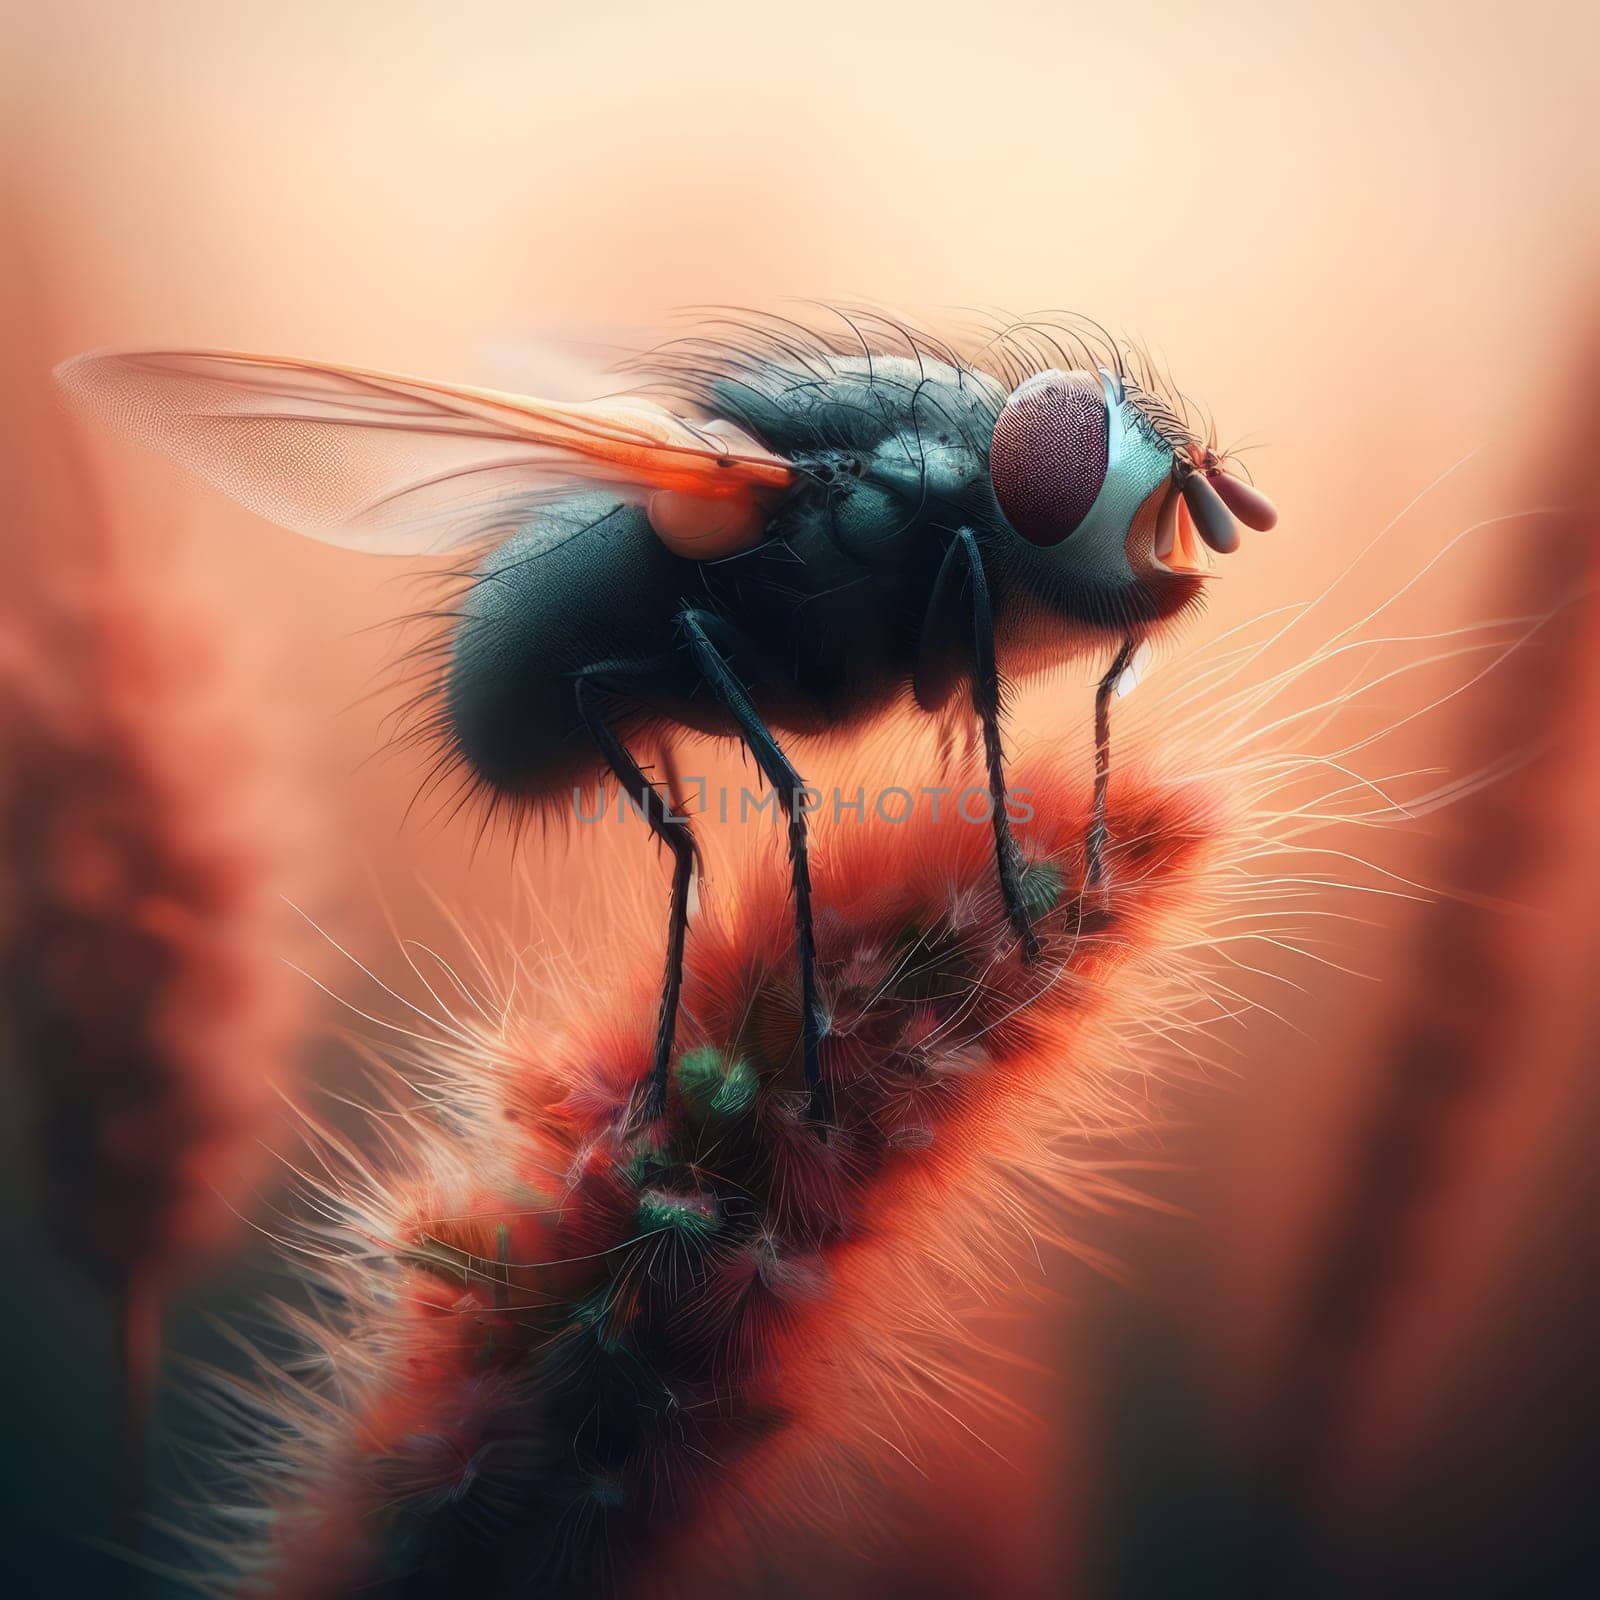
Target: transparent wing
point(405, 466)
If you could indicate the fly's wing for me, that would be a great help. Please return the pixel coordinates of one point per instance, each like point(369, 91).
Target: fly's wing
point(404, 466)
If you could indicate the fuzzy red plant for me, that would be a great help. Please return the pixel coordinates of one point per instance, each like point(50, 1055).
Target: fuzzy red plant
point(144, 1008)
point(563, 1330)
point(555, 1345)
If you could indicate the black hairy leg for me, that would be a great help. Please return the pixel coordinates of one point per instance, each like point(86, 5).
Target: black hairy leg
point(947, 618)
point(1095, 843)
point(711, 641)
point(673, 831)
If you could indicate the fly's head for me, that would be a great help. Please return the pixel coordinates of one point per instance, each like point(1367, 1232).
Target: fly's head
point(1109, 499)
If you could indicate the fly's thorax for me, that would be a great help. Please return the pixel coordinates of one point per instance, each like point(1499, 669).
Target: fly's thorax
point(886, 509)
point(921, 468)
point(856, 403)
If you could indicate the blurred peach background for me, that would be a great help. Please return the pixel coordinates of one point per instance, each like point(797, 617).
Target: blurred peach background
point(1367, 237)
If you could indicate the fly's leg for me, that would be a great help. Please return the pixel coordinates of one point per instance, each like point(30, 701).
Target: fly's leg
point(712, 664)
point(986, 699)
point(1095, 844)
point(672, 831)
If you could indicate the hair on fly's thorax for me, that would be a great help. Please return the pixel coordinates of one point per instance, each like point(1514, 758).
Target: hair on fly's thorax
point(848, 373)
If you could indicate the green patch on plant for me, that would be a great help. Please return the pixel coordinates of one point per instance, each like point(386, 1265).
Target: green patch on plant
point(690, 1216)
point(1042, 884)
point(716, 1084)
point(649, 1156)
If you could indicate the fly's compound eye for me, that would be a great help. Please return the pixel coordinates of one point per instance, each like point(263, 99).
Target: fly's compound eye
point(1047, 460)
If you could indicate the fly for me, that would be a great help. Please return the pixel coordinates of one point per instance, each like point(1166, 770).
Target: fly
point(806, 531)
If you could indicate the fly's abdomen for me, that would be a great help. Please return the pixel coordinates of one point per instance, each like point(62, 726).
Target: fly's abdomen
point(584, 584)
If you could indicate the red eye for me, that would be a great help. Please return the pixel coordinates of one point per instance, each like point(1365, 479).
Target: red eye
point(1048, 456)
